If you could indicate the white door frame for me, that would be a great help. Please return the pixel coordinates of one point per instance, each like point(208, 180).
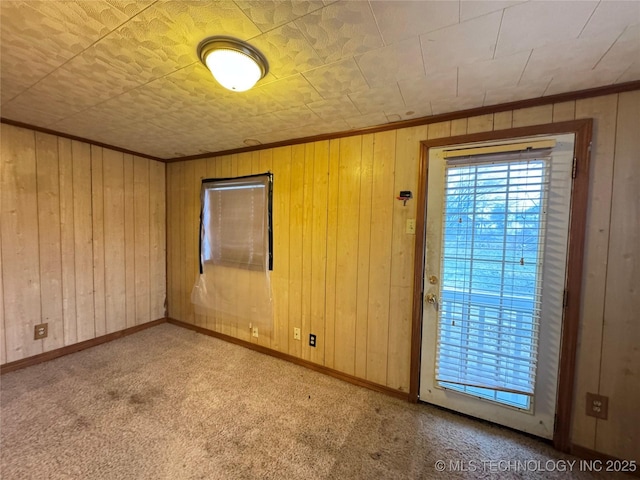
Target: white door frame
point(582, 130)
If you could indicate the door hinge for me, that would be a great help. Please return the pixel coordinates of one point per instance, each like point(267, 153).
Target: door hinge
point(574, 169)
point(565, 295)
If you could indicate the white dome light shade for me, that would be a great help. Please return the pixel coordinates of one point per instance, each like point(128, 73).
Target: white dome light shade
point(236, 65)
point(233, 70)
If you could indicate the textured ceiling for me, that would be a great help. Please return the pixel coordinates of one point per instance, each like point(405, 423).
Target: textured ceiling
point(126, 72)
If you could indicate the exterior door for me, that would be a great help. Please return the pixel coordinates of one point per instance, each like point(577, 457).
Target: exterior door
point(496, 249)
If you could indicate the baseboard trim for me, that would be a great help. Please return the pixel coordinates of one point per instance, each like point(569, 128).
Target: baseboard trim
point(76, 347)
point(298, 361)
point(592, 455)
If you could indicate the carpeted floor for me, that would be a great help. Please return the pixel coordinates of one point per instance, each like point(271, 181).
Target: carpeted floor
point(168, 403)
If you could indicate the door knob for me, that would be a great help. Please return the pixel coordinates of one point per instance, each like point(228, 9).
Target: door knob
point(433, 300)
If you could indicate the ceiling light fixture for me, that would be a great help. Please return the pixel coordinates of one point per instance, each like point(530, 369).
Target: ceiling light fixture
point(236, 65)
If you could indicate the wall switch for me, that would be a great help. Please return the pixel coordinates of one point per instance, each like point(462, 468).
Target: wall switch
point(312, 340)
point(40, 331)
point(411, 226)
point(254, 332)
point(296, 334)
point(597, 406)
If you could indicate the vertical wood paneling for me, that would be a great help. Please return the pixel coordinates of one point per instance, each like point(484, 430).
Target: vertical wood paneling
point(481, 123)
point(67, 241)
point(19, 229)
point(564, 111)
point(459, 127)
point(364, 258)
point(619, 435)
point(400, 297)
point(64, 221)
point(307, 244)
point(347, 253)
point(190, 238)
point(83, 234)
point(281, 247)
point(48, 187)
point(158, 238)
point(141, 238)
point(295, 242)
point(114, 221)
point(332, 252)
point(533, 116)
point(382, 206)
point(173, 230)
point(129, 242)
point(603, 111)
point(97, 207)
point(319, 249)
point(502, 120)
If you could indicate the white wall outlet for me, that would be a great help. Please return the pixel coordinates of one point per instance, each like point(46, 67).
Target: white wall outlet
point(411, 226)
point(254, 332)
point(296, 334)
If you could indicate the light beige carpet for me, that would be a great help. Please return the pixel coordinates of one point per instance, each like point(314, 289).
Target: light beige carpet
point(168, 403)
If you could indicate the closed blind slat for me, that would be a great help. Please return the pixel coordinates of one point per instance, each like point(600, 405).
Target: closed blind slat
point(493, 235)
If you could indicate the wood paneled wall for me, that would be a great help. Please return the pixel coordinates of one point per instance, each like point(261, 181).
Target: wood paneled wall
point(343, 261)
point(82, 241)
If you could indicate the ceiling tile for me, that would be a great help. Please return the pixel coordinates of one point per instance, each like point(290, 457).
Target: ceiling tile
point(466, 42)
point(287, 51)
point(511, 94)
point(32, 113)
point(454, 104)
point(397, 114)
point(473, 8)
point(340, 107)
point(268, 15)
point(342, 29)
point(612, 16)
point(297, 117)
point(421, 90)
point(399, 20)
point(533, 24)
point(632, 73)
point(292, 91)
point(402, 60)
point(574, 54)
point(569, 81)
point(378, 99)
point(337, 79)
point(499, 73)
point(10, 88)
point(625, 50)
point(368, 120)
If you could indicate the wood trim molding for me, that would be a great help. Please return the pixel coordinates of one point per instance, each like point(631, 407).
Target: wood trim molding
point(76, 347)
point(416, 122)
point(298, 361)
point(577, 227)
point(14, 123)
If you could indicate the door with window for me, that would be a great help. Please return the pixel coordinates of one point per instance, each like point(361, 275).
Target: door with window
point(495, 264)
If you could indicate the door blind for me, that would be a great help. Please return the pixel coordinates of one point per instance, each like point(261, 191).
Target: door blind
point(490, 297)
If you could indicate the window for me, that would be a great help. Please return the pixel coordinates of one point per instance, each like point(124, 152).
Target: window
point(236, 222)
point(494, 220)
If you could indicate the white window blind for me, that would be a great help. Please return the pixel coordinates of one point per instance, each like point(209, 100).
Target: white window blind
point(490, 297)
point(235, 222)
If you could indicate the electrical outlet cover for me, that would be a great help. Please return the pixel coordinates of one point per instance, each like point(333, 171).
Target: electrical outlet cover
point(312, 340)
